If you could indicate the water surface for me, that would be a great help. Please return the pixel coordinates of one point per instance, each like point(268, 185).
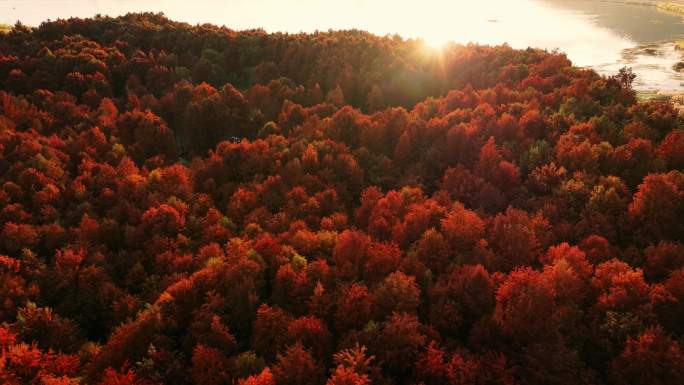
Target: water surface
point(604, 35)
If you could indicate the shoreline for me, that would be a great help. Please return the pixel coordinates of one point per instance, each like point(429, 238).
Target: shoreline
point(675, 8)
point(676, 98)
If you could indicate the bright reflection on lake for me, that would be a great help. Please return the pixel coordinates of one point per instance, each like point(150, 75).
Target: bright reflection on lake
point(604, 35)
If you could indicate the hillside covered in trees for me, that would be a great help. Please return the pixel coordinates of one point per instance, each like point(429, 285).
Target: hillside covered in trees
point(194, 205)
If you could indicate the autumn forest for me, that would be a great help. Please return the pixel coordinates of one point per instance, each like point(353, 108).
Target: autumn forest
point(188, 204)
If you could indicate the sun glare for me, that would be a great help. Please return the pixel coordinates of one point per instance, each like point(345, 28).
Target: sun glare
point(432, 45)
point(515, 22)
point(435, 42)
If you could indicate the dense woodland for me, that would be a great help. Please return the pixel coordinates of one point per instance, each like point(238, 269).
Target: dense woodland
point(195, 205)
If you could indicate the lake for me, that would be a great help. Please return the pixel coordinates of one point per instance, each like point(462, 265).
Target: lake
point(604, 35)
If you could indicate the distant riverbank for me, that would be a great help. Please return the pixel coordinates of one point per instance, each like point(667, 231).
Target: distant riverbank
point(676, 8)
point(673, 6)
point(677, 98)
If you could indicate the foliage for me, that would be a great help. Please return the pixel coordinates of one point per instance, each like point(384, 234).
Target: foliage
point(191, 204)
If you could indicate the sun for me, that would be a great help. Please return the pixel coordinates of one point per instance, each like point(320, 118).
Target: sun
point(434, 39)
point(433, 34)
point(436, 42)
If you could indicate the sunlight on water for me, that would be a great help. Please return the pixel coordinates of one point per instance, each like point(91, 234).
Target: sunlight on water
point(592, 33)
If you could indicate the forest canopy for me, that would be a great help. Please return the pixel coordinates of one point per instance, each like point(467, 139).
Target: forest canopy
point(196, 205)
